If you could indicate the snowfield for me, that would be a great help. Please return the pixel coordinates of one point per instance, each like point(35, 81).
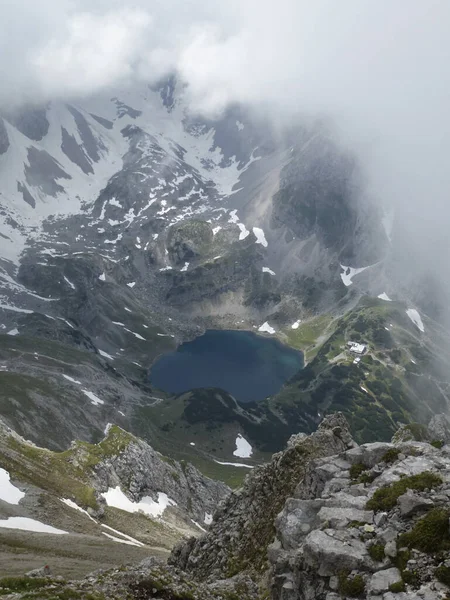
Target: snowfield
point(266, 328)
point(260, 236)
point(8, 492)
point(415, 318)
point(384, 296)
point(243, 448)
point(349, 273)
point(26, 524)
point(116, 498)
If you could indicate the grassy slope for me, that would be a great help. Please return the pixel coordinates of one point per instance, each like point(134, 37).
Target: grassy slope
point(331, 381)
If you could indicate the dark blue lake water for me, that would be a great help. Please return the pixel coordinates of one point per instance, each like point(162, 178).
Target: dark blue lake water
point(248, 366)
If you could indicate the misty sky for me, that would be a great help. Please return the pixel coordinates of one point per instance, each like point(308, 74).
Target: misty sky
point(378, 67)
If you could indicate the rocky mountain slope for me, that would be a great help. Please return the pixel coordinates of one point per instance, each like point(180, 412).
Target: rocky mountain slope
point(98, 497)
point(325, 519)
point(129, 225)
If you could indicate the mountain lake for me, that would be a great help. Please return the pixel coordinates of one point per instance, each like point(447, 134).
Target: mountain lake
point(248, 366)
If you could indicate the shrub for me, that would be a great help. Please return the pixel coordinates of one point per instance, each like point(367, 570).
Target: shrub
point(398, 586)
point(430, 534)
point(356, 470)
point(418, 431)
point(442, 573)
point(391, 455)
point(21, 584)
point(351, 586)
point(385, 498)
point(410, 577)
point(376, 551)
point(437, 443)
point(401, 560)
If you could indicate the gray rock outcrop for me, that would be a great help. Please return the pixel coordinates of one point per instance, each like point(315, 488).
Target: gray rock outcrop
point(243, 525)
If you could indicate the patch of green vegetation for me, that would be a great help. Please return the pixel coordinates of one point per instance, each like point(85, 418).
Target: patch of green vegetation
point(367, 478)
point(437, 444)
point(386, 497)
point(390, 456)
point(9, 585)
point(356, 524)
point(58, 472)
point(442, 574)
point(430, 534)
point(376, 552)
point(306, 336)
point(410, 577)
point(356, 470)
point(418, 431)
point(401, 560)
point(398, 586)
point(113, 444)
point(352, 587)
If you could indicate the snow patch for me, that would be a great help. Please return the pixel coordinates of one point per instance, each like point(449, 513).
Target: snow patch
point(216, 229)
point(105, 354)
point(14, 331)
point(349, 273)
point(185, 268)
point(260, 237)
point(69, 283)
point(72, 504)
point(296, 325)
point(244, 231)
point(233, 217)
point(16, 309)
point(208, 519)
point(124, 535)
point(116, 498)
point(136, 335)
point(93, 398)
point(8, 492)
point(243, 448)
point(266, 328)
point(71, 379)
point(415, 318)
point(102, 277)
point(131, 284)
point(120, 541)
point(230, 464)
point(267, 270)
point(26, 524)
point(384, 296)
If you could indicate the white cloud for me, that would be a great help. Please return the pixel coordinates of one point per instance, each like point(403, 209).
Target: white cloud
point(91, 52)
point(378, 70)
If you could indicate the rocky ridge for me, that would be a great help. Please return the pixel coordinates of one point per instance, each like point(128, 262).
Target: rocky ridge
point(326, 519)
point(120, 489)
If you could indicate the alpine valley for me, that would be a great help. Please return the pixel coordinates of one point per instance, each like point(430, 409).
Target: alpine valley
point(129, 227)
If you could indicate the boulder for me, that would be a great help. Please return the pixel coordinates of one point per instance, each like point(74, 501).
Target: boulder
point(339, 518)
point(411, 503)
point(42, 572)
point(380, 581)
point(330, 554)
